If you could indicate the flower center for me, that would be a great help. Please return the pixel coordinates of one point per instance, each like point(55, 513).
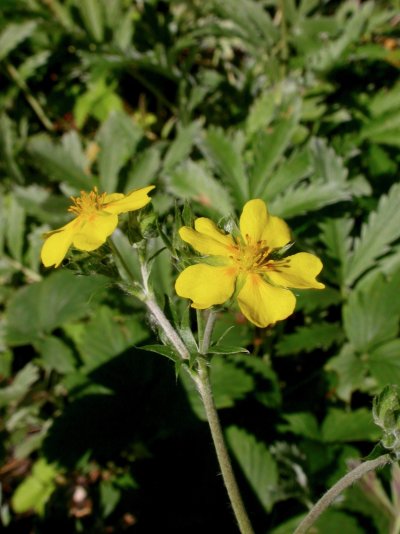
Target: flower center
point(256, 257)
point(88, 203)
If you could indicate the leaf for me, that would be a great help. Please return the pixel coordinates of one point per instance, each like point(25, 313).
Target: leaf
point(226, 349)
point(182, 145)
point(371, 314)
point(13, 35)
point(57, 163)
point(328, 166)
point(118, 138)
point(43, 306)
point(93, 18)
point(257, 464)
point(351, 371)
point(269, 149)
point(8, 144)
point(15, 228)
point(381, 229)
point(164, 350)
point(301, 424)
point(109, 497)
point(309, 338)
point(56, 355)
point(190, 181)
point(384, 363)
point(144, 170)
point(20, 386)
point(227, 159)
point(349, 426)
point(35, 491)
point(335, 234)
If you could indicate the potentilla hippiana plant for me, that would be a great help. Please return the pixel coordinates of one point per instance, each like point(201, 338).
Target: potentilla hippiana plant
point(248, 267)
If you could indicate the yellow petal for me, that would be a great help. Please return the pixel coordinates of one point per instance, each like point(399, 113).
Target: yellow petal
point(112, 197)
point(264, 304)
point(276, 233)
point(257, 225)
point(297, 271)
point(131, 202)
point(57, 244)
point(209, 228)
point(205, 244)
point(93, 233)
point(253, 220)
point(206, 285)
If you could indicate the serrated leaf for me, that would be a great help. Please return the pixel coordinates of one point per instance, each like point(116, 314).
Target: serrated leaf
point(384, 363)
point(349, 426)
point(301, 424)
point(309, 338)
point(269, 148)
point(227, 159)
point(351, 371)
point(371, 314)
point(20, 386)
point(290, 172)
point(57, 163)
point(335, 234)
point(43, 306)
point(190, 181)
point(257, 464)
point(35, 491)
point(118, 138)
point(144, 169)
point(182, 145)
point(381, 229)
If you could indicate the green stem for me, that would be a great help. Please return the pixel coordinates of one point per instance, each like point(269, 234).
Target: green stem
point(337, 489)
point(34, 103)
point(204, 388)
point(208, 330)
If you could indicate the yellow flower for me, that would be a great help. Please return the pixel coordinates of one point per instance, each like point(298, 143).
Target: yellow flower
point(96, 219)
point(247, 266)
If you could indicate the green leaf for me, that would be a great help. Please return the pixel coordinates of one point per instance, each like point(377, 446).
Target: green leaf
point(43, 306)
point(109, 497)
point(226, 349)
point(56, 355)
point(309, 338)
point(8, 144)
point(20, 386)
point(182, 145)
point(164, 350)
point(190, 181)
point(93, 18)
point(351, 371)
point(371, 314)
point(15, 228)
point(349, 426)
point(57, 163)
point(144, 169)
point(13, 35)
point(384, 363)
point(35, 491)
point(335, 234)
point(225, 156)
point(269, 149)
point(257, 464)
point(301, 424)
point(331, 522)
point(118, 138)
point(381, 229)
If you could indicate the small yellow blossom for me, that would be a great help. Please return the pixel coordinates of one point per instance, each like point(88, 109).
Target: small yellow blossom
point(247, 266)
point(96, 217)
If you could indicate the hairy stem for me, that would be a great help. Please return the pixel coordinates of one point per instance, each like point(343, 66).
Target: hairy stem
point(337, 489)
point(204, 388)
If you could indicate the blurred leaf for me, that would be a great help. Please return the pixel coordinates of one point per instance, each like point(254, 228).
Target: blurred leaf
point(118, 138)
point(14, 34)
point(8, 144)
point(144, 169)
point(227, 159)
point(35, 491)
point(57, 163)
point(190, 181)
point(181, 146)
point(382, 228)
point(109, 497)
point(15, 228)
point(371, 314)
point(20, 386)
point(56, 355)
point(98, 101)
point(290, 172)
point(93, 17)
point(349, 426)
point(309, 338)
point(331, 522)
point(41, 307)
point(384, 363)
point(226, 349)
point(301, 424)
point(257, 464)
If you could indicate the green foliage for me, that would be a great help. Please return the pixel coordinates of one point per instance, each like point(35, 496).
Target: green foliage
point(215, 103)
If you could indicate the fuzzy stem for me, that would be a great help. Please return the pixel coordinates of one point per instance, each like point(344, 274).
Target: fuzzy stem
point(207, 333)
point(337, 489)
point(204, 388)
